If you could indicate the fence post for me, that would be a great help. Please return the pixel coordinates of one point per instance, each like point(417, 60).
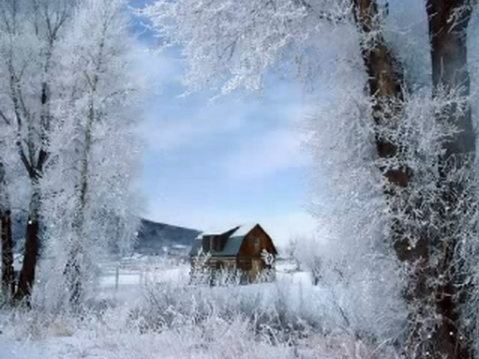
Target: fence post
point(117, 276)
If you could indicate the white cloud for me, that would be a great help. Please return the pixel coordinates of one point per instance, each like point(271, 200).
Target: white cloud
point(154, 68)
point(291, 225)
point(169, 135)
point(263, 155)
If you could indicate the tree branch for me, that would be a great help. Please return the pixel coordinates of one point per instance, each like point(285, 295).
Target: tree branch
point(322, 15)
point(28, 166)
point(7, 121)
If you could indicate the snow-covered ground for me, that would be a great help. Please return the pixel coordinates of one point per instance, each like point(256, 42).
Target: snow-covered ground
point(125, 281)
point(230, 341)
point(162, 288)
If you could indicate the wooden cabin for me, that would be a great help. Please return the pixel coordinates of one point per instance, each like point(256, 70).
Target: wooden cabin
point(245, 250)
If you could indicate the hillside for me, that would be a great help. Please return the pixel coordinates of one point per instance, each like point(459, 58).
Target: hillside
point(157, 238)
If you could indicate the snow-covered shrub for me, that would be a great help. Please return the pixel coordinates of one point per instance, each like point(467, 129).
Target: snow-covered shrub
point(266, 306)
point(269, 320)
point(108, 336)
point(306, 253)
point(282, 311)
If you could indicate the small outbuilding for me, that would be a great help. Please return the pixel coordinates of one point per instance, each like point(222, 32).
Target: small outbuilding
point(246, 250)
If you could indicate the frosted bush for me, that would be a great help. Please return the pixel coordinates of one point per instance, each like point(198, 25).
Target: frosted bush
point(266, 320)
point(282, 311)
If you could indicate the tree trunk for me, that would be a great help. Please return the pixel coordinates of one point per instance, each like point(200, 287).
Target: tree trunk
point(27, 273)
point(74, 275)
point(448, 24)
point(434, 330)
point(8, 280)
point(385, 86)
point(34, 166)
point(74, 269)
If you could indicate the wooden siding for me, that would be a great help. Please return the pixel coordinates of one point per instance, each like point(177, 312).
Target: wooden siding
point(214, 262)
point(248, 247)
point(248, 260)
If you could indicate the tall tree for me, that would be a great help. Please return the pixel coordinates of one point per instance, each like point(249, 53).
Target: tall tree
point(71, 89)
point(94, 174)
point(31, 30)
point(424, 154)
point(448, 27)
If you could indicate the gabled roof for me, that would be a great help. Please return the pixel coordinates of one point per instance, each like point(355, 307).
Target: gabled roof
point(234, 238)
point(244, 229)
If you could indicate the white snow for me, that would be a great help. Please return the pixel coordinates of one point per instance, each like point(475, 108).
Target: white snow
point(114, 335)
point(244, 229)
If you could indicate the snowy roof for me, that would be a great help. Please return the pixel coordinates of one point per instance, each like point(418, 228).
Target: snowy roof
point(244, 229)
point(240, 231)
point(234, 239)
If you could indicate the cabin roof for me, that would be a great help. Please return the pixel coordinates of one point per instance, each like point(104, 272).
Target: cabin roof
point(241, 230)
point(234, 239)
point(231, 248)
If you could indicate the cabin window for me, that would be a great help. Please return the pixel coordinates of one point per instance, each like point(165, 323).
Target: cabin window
point(256, 243)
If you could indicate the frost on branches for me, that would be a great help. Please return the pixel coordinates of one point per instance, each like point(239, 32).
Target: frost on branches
point(392, 137)
point(96, 143)
point(68, 100)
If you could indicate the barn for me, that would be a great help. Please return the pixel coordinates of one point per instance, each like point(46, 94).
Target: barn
point(247, 250)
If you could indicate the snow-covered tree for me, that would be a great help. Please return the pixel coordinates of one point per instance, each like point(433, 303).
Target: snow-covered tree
point(92, 202)
point(394, 128)
point(306, 253)
point(29, 33)
point(70, 87)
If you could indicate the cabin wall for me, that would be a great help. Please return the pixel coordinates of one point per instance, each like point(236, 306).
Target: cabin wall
point(249, 259)
point(249, 248)
point(211, 272)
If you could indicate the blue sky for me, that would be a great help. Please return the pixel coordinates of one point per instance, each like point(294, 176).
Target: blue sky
point(217, 164)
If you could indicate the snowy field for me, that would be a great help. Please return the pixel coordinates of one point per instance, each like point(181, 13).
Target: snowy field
point(153, 313)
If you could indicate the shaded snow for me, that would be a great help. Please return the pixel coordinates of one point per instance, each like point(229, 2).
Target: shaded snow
point(12, 349)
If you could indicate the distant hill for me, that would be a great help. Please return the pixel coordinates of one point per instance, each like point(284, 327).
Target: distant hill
point(158, 238)
point(153, 238)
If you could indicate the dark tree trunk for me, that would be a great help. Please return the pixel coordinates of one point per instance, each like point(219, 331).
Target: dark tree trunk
point(435, 330)
point(27, 273)
point(385, 82)
point(8, 280)
point(412, 245)
point(34, 165)
point(448, 24)
point(385, 87)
